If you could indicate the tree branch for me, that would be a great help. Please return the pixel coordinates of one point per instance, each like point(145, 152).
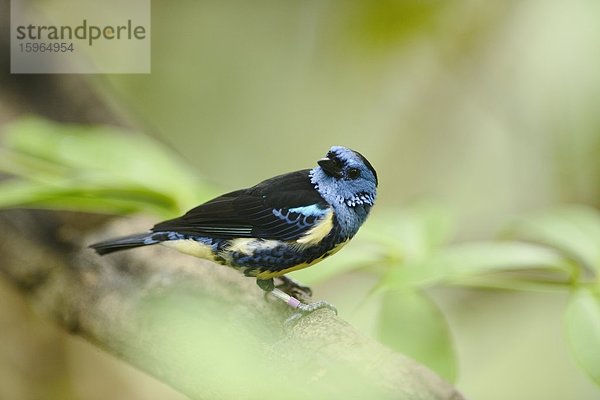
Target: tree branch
point(199, 327)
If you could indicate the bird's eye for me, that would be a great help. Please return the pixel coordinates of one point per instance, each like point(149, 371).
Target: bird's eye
point(353, 173)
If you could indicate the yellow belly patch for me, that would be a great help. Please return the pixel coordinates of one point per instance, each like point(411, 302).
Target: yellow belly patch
point(275, 274)
point(191, 247)
point(317, 232)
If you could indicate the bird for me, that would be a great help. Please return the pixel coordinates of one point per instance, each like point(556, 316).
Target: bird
point(283, 224)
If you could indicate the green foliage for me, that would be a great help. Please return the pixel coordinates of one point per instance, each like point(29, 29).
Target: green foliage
point(465, 263)
point(409, 322)
point(181, 321)
point(411, 234)
point(583, 325)
point(99, 169)
point(103, 169)
point(574, 230)
point(411, 252)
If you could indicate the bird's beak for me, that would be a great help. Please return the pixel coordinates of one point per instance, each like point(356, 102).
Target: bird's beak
point(330, 167)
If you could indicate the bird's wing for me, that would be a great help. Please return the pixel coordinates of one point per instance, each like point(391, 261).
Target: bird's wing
point(285, 207)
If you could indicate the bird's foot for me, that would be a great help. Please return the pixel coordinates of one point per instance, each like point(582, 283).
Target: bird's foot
point(305, 309)
point(302, 309)
point(293, 288)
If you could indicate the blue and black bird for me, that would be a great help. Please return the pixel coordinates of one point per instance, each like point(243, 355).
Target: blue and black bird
point(282, 224)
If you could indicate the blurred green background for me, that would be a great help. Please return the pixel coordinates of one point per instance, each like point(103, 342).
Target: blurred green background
point(478, 116)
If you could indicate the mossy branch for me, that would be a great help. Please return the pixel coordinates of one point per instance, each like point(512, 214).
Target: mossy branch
point(199, 327)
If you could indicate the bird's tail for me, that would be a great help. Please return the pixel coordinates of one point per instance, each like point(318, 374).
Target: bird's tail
point(124, 243)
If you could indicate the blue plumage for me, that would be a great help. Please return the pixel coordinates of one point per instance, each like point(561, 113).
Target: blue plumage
point(285, 223)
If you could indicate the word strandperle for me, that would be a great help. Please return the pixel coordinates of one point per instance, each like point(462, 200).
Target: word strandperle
point(83, 32)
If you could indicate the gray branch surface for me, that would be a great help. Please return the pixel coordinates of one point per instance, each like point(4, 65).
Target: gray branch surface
point(203, 329)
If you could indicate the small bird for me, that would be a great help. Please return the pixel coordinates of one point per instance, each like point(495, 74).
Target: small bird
point(283, 224)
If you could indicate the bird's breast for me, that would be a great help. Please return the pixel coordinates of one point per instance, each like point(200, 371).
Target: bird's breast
point(269, 273)
point(271, 258)
point(317, 233)
point(350, 219)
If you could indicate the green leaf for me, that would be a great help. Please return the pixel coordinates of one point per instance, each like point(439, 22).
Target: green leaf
point(19, 193)
point(28, 167)
point(575, 230)
point(93, 168)
point(583, 328)
point(411, 234)
point(457, 262)
point(413, 325)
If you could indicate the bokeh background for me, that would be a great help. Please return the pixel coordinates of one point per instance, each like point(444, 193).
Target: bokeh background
point(489, 109)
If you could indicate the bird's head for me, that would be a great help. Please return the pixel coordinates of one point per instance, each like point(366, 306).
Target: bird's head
point(344, 176)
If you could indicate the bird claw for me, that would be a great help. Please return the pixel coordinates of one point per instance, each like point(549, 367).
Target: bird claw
point(293, 288)
point(304, 309)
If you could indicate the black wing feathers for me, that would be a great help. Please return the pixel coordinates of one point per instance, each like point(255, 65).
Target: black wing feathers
point(249, 212)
